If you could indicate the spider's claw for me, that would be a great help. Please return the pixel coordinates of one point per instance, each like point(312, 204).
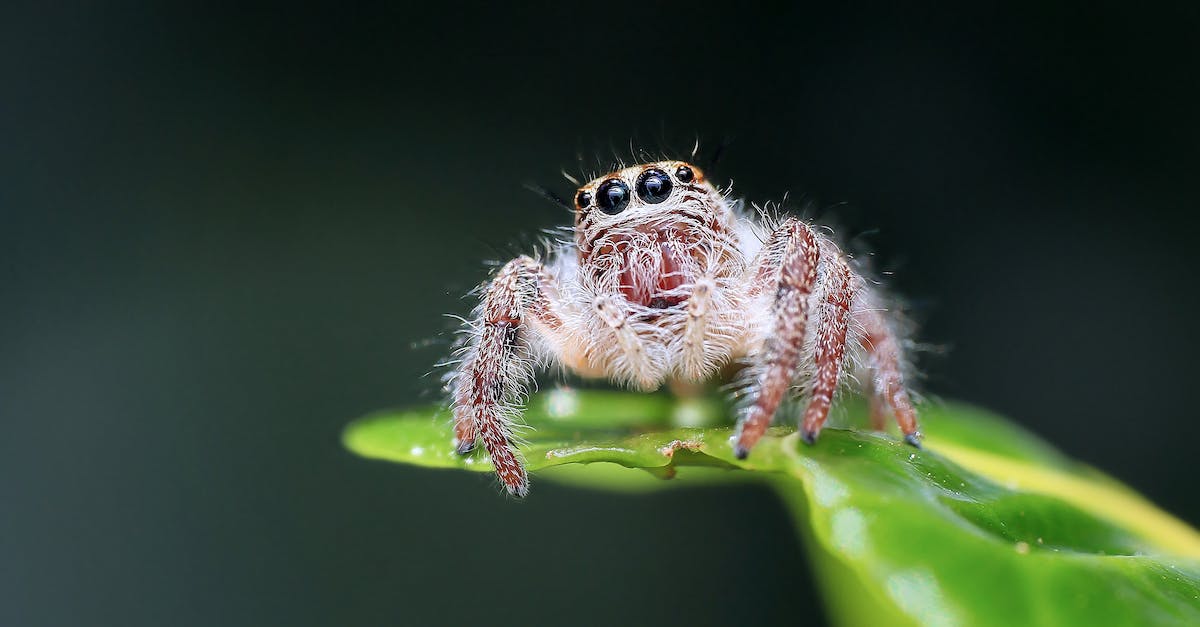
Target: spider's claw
point(913, 439)
point(465, 447)
point(809, 436)
point(740, 451)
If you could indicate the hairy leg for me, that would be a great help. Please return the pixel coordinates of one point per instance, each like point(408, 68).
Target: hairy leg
point(775, 366)
point(831, 349)
point(879, 408)
point(495, 370)
point(888, 386)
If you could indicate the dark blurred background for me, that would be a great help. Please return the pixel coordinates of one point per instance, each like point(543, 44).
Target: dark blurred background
point(225, 232)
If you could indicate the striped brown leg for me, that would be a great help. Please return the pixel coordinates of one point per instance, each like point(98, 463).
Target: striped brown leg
point(775, 367)
point(888, 384)
point(831, 348)
point(495, 369)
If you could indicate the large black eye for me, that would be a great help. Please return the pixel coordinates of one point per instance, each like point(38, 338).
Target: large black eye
point(653, 186)
point(612, 196)
point(685, 174)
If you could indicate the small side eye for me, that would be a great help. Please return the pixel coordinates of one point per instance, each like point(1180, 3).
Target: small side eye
point(612, 196)
point(654, 186)
point(583, 199)
point(685, 174)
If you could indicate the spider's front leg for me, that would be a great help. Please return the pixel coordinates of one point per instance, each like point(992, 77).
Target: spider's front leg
point(496, 368)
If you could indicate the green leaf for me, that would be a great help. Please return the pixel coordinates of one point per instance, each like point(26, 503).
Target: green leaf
point(988, 525)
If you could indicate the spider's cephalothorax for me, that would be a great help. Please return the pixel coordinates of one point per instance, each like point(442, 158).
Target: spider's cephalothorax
point(665, 280)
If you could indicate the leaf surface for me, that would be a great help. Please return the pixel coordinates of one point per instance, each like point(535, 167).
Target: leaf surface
point(988, 525)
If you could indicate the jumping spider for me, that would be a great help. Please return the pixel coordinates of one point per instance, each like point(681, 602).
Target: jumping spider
point(665, 280)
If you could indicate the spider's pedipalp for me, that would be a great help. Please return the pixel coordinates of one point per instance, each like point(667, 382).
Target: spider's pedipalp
point(695, 361)
point(634, 360)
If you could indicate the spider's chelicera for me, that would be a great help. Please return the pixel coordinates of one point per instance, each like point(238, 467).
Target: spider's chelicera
point(666, 279)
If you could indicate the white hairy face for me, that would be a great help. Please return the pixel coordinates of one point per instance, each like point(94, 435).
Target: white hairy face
point(649, 231)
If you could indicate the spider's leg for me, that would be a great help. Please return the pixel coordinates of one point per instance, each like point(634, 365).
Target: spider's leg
point(883, 350)
point(879, 408)
point(496, 368)
point(773, 369)
point(831, 348)
point(697, 324)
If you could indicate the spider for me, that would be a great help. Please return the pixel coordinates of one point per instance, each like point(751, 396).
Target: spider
point(668, 280)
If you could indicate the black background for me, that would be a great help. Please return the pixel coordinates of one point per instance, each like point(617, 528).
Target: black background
point(225, 232)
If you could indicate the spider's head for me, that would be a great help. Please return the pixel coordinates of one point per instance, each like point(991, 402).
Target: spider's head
point(668, 197)
point(651, 230)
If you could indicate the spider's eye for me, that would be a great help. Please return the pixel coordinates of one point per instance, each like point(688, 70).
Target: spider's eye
point(654, 186)
point(685, 174)
point(583, 199)
point(612, 196)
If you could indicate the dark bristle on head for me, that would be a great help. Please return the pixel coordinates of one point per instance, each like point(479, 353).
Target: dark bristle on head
point(718, 152)
point(549, 195)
